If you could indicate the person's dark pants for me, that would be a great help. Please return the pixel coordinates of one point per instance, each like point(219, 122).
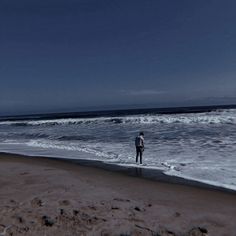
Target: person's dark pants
point(139, 153)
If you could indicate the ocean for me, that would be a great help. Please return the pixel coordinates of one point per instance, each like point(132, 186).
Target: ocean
point(192, 143)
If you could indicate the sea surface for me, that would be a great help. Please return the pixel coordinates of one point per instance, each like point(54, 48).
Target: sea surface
point(193, 144)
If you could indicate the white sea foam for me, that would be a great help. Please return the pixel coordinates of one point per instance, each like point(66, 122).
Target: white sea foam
point(70, 147)
point(218, 117)
point(231, 186)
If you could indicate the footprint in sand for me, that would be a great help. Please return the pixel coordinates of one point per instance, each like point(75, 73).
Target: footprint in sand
point(198, 232)
point(24, 173)
point(64, 203)
point(3, 233)
point(121, 200)
point(36, 202)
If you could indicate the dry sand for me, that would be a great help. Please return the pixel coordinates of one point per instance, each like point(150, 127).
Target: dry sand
point(49, 197)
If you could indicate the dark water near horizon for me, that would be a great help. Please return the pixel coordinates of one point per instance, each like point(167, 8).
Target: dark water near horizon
point(117, 112)
point(196, 143)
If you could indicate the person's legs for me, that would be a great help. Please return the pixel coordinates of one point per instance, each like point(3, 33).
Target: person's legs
point(137, 154)
point(141, 155)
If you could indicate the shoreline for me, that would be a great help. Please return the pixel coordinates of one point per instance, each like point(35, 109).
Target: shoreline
point(44, 196)
point(146, 173)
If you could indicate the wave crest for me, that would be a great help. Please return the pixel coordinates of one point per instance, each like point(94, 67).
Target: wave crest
point(217, 117)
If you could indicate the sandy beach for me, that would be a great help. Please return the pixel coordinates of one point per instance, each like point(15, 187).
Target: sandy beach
point(50, 197)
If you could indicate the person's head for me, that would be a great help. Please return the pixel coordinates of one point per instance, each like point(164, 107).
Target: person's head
point(141, 134)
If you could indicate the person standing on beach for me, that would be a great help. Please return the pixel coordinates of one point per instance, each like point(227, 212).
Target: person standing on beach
point(139, 144)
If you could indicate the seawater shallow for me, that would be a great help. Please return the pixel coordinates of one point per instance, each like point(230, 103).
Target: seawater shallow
point(194, 146)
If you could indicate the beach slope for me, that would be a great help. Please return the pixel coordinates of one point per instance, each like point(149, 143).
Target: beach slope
point(50, 197)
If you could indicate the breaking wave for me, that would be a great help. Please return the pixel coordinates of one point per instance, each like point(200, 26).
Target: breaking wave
point(216, 117)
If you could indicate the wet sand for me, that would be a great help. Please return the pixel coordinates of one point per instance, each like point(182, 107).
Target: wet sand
point(39, 196)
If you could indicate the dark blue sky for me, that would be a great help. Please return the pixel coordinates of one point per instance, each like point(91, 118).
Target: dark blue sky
point(62, 55)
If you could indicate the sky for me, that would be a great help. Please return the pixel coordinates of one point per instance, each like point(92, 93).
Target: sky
point(72, 55)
